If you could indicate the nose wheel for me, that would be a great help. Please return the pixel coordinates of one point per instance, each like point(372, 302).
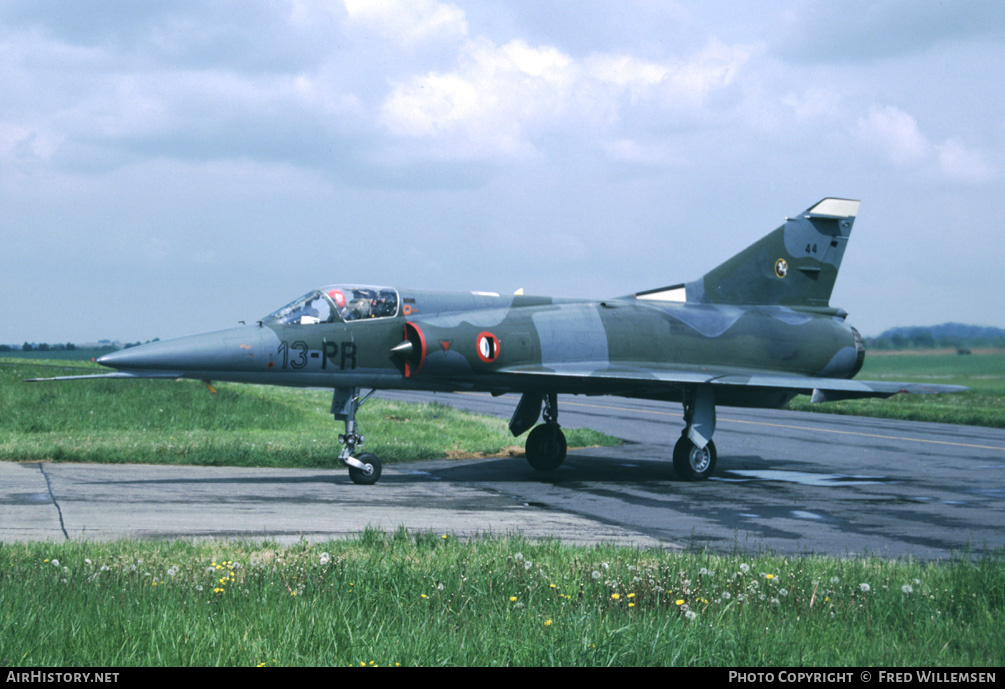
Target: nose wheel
point(368, 473)
point(364, 468)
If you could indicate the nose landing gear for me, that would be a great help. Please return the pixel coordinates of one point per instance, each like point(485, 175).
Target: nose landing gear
point(364, 468)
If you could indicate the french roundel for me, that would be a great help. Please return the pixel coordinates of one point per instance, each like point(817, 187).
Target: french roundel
point(487, 347)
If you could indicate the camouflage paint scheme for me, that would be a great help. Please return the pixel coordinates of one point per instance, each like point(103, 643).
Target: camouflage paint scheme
point(755, 331)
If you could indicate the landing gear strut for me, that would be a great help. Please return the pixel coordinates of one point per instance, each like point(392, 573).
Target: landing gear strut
point(546, 444)
point(364, 468)
point(694, 454)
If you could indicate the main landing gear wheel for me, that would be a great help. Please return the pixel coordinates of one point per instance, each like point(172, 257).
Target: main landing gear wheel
point(546, 447)
point(370, 472)
point(691, 462)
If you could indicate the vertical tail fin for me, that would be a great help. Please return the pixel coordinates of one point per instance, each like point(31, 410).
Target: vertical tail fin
point(796, 265)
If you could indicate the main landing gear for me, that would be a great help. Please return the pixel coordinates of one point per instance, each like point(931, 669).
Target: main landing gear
point(694, 454)
point(546, 446)
point(364, 468)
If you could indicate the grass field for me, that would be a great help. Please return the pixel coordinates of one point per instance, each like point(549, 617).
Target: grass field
point(389, 599)
point(181, 422)
point(983, 373)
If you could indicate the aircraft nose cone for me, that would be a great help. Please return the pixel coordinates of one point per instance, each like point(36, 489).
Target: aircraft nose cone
point(228, 350)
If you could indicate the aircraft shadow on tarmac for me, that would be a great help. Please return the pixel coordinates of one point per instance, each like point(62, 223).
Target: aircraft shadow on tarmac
point(577, 469)
point(580, 468)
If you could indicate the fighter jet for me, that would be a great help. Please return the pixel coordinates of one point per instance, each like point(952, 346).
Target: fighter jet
point(753, 332)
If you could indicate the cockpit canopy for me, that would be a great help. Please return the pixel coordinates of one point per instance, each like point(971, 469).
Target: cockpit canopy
point(336, 303)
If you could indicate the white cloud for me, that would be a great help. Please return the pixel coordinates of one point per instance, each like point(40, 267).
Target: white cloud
point(500, 96)
point(963, 164)
point(895, 133)
point(409, 21)
point(898, 139)
point(20, 144)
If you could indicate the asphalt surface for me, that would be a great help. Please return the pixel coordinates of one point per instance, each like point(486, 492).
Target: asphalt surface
point(788, 482)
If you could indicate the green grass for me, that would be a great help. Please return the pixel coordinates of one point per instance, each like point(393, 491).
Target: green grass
point(181, 422)
point(982, 405)
point(387, 599)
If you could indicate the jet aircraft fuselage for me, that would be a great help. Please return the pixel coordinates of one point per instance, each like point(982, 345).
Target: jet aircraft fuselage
point(755, 331)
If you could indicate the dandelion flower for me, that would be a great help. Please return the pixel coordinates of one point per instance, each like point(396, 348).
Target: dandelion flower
point(679, 601)
point(547, 623)
point(769, 576)
point(424, 596)
point(615, 596)
point(512, 599)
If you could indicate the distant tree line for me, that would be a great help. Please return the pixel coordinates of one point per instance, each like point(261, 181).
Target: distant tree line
point(103, 345)
point(945, 336)
point(40, 347)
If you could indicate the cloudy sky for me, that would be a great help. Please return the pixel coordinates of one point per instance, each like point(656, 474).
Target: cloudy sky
point(174, 167)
